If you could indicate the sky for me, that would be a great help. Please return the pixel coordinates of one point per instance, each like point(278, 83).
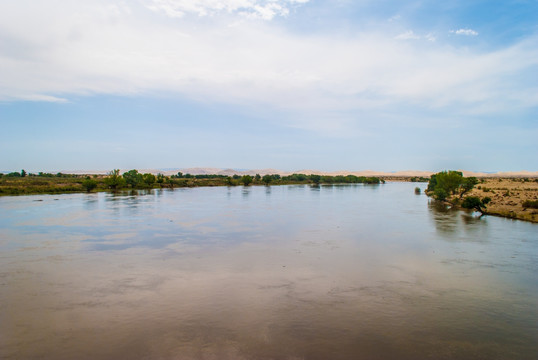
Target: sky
point(382, 85)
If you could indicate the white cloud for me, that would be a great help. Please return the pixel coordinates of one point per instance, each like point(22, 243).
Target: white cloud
point(86, 48)
point(408, 35)
point(466, 32)
point(264, 9)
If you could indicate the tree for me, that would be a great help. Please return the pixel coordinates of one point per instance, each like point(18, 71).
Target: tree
point(246, 180)
point(467, 185)
point(440, 194)
point(160, 178)
point(446, 183)
point(23, 173)
point(114, 180)
point(149, 179)
point(257, 177)
point(475, 203)
point(315, 178)
point(267, 179)
point(89, 184)
point(133, 178)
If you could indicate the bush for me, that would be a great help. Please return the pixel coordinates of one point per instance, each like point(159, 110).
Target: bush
point(475, 203)
point(417, 190)
point(89, 184)
point(440, 194)
point(267, 179)
point(533, 204)
point(246, 180)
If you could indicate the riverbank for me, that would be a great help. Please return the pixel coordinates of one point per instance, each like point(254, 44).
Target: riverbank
point(508, 197)
point(76, 183)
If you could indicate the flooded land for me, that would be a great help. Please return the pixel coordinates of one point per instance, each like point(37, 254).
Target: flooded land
point(276, 272)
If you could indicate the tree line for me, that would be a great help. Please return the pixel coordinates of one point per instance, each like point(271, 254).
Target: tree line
point(135, 180)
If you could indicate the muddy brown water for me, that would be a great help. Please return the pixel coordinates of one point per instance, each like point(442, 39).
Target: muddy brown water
point(287, 272)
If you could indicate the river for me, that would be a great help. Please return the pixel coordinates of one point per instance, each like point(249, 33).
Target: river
point(281, 272)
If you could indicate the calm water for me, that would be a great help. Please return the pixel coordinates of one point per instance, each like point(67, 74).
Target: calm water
point(289, 272)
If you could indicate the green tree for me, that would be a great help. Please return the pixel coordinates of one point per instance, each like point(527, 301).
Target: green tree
point(467, 185)
point(475, 203)
point(447, 183)
point(114, 180)
point(89, 184)
point(257, 177)
point(23, 173)
point(315, 178)
point(133, 178)
point(267, 179)
point(440, 194)
point(149, 179)
point(246, 180)
point(160, 178)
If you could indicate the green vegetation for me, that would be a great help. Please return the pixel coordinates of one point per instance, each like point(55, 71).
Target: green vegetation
point(114, 180)
point(89, 184)
point(449, 183)
point(16, 183)
point(533, 204)
point(475, 203)
point(417, 190)
point(450, 186)
point(246, 180)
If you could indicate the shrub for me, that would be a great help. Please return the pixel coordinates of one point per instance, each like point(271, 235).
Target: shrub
point(533, 204)
point(417, 190)
point(89, 184)
point(475, 203)
point(440, 194)
point(267, 179)
point(246, 180)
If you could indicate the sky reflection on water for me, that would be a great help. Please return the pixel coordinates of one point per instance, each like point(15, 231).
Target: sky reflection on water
point(288, 272)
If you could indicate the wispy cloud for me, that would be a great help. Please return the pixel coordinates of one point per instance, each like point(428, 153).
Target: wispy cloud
point(466, 32)
point(408, 35)
point(264, 9)
point(411, 35)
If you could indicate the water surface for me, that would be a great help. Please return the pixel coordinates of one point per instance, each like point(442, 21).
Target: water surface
point(282, 272)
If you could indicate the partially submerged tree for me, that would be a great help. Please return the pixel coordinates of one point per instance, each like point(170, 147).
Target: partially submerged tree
point(447, 183)
point(475, 203)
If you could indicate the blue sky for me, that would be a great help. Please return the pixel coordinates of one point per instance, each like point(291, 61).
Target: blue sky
point(285, 84)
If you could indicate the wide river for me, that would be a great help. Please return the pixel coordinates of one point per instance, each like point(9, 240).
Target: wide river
point(282, 272)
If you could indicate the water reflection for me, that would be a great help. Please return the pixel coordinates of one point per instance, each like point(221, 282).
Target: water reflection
point(329, 272)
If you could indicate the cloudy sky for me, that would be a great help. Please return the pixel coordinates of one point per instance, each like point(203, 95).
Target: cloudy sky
point(289, 84)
